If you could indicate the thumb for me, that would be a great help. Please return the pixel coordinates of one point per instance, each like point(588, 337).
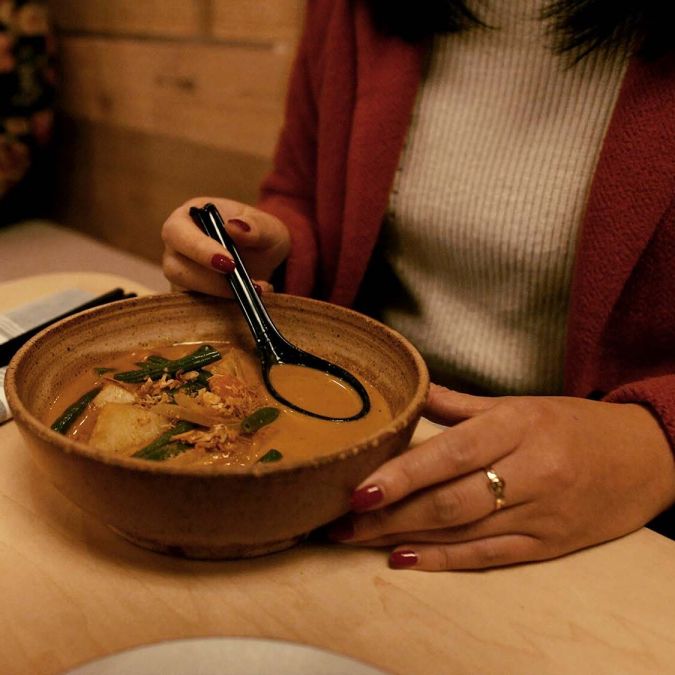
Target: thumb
point(445, 406)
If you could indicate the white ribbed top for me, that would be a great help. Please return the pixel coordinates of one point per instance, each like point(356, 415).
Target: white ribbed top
point(486, 205)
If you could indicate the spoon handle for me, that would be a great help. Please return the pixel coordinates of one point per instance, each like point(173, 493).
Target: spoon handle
point(267, 337)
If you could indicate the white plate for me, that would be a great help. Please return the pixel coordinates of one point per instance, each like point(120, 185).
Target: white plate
point(225, 656)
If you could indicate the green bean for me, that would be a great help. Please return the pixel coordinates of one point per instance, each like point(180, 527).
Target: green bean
point(258, 419)
point(156, 366)
point(72, 412)
point(159, 450)
point(156, 358)
point(165, 452)
point(272, 455)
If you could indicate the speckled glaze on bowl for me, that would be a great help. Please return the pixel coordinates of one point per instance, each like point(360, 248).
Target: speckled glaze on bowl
point(202, 512)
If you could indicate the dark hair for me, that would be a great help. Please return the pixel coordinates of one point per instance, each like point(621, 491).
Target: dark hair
point(577, 27)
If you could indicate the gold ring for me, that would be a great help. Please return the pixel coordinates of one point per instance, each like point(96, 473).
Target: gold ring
point(496, 485)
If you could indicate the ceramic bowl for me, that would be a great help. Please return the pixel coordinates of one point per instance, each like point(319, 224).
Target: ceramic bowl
point(205, 512)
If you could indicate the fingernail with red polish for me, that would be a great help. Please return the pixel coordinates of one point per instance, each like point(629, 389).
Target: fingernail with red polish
point(258, 288)
point(245, 227)
point(222, 263)
point(405, 558)
point(365, 497)
point(341, 530)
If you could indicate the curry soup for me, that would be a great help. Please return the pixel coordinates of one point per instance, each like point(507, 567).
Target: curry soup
point(202, 404)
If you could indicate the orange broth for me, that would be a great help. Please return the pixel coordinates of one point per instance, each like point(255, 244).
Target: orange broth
point(294, 435)
point(315, 391)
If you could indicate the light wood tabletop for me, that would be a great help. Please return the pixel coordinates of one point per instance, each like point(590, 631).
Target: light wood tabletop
point(72, 591)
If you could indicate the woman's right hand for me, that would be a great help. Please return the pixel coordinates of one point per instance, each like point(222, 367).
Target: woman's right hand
point(196, 262)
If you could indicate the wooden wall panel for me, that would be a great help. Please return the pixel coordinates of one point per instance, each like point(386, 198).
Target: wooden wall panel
point(119, 185)
point(261, 20)
point(166, 18)
point(227, 96)
point(162, 100)
point(232, 20)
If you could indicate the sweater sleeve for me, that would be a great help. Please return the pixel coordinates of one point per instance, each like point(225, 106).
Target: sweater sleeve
point(287, 192)
point(657, 394)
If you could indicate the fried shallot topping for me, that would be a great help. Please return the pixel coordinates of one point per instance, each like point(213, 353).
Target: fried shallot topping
point(229, 396)
point(219, 437)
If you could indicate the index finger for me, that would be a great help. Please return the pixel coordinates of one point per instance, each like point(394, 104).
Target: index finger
point(469, 446)
point(181, 234)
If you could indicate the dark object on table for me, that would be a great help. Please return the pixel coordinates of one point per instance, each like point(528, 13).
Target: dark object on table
point(11, 346)
point(664, 523)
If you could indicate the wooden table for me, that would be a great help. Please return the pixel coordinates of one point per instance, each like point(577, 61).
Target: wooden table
point(72, 591)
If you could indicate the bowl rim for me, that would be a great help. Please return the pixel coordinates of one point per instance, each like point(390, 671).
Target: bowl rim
point(25, 417)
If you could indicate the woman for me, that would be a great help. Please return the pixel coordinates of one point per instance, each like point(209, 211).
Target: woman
point(508, 205)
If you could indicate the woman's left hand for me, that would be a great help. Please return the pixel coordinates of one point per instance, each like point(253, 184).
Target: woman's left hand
point(575, 473)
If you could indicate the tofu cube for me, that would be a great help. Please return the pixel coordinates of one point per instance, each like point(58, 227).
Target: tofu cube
point(121, 428)
point(112, 393)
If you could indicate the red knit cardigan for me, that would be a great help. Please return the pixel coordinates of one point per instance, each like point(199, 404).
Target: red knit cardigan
point(350, 100)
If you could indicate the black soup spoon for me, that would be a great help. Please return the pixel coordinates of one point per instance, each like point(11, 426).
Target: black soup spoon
point(273, 348)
